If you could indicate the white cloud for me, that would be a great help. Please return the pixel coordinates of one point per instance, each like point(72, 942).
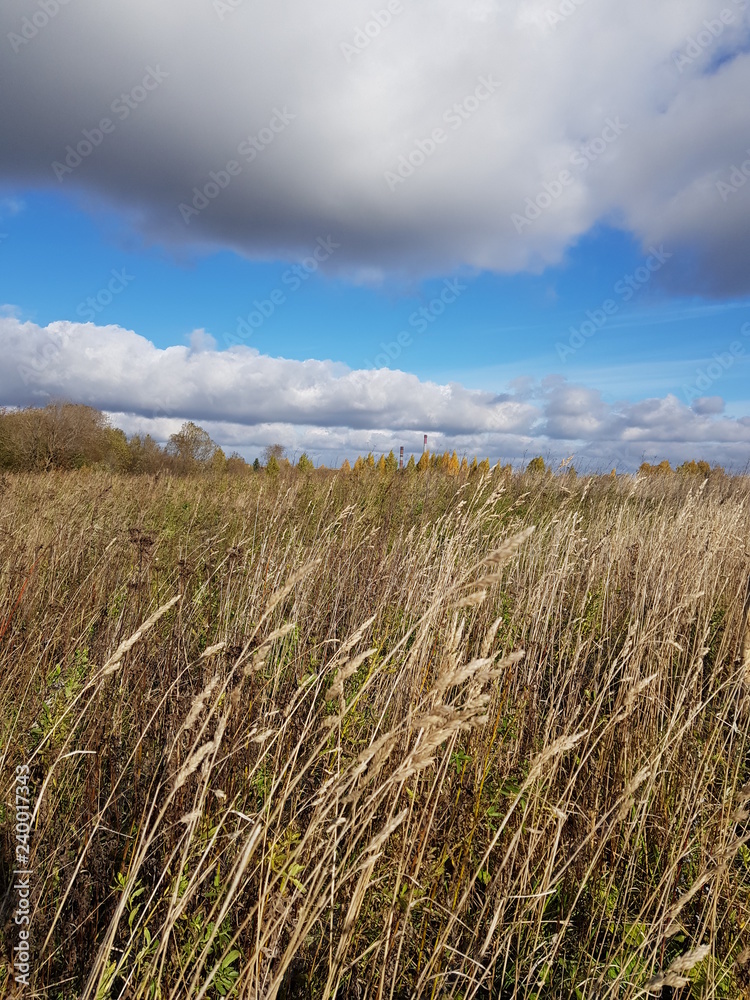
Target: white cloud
point(247, 400)
point(201, 342)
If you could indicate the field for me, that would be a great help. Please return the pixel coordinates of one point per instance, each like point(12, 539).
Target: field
point(377, 735)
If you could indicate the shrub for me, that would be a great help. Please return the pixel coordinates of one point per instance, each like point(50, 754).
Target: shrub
point(694, 468)
point(536, 466)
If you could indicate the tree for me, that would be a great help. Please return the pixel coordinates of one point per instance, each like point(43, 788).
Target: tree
point(218, 462)
point(536, 466)
point(663, 468)
point(191, 448)
point(381, 464)
point(484, 466)
point(82, 433)
point(452, 466)
point(424, 461)
point(145, 454)
point(272, 466)
point(359, 464)
point(256, 465)
point(277, 451)
point(411, 465)
point(655, 470)
point(64, 435)
point(304, 464)
point(694, 468)
point(391, 465)
point(370, 460)
point(236, 464)
point(345, 466)
point(118, 453)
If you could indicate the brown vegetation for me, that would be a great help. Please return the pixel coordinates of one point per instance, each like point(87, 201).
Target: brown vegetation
point(72, 436)
point(377, 737)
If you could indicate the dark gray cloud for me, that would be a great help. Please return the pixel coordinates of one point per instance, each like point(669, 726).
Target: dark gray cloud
point(318, 105)
point(708, 405)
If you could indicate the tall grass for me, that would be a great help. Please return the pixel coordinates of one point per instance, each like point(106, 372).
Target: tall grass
point(379, 736)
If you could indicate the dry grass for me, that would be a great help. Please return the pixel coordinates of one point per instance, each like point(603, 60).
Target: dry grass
point(374, 736)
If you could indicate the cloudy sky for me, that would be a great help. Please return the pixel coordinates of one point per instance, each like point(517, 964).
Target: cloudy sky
point(519, 227)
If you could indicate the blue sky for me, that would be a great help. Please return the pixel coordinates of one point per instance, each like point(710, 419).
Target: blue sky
point(501, 327)
point(425, 274)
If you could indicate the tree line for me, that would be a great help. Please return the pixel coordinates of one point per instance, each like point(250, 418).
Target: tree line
point(65, 435)
point(73, 435)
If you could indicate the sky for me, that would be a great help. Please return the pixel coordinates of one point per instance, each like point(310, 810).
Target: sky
point(521, 228)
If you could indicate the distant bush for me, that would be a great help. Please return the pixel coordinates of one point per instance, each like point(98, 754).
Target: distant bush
point(236, 465)
point(662, 469)
point(693, 468)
